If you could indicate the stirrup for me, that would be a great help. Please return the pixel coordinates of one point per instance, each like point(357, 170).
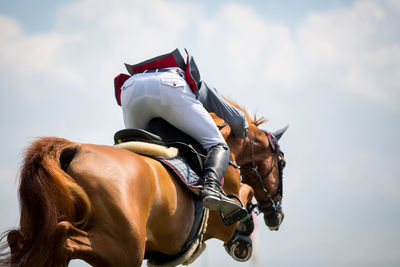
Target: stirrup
point(230, 210)
point(239, 215)
point(218, 201)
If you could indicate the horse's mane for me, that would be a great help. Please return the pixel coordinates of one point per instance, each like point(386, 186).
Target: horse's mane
point(256, 121)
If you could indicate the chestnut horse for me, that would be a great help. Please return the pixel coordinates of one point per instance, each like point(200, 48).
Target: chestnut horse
point(109, 206)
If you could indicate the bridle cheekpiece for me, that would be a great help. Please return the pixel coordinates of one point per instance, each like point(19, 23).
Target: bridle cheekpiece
point(278, 162)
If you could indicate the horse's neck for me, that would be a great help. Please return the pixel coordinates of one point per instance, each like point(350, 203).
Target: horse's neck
point(238, 147)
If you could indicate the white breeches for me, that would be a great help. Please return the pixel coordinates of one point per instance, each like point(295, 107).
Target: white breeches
point(167, 95)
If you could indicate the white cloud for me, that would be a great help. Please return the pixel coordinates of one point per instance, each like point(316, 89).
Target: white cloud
point(89, 43)
point(247, 48)
point(127, 29)
point(24, 56)
point(353, 49)
point(356, 50)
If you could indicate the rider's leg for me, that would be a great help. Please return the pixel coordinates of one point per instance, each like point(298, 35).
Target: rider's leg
point(167, 95)
point(214, 168)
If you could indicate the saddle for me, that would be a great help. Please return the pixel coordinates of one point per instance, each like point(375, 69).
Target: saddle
point(187, 164)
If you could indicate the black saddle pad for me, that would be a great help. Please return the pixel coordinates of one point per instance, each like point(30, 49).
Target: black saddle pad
point(184, 173)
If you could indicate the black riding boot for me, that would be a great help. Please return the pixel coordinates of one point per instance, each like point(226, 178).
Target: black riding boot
point(213, 197)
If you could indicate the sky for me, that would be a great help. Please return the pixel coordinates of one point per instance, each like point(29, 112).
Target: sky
point(329, 69)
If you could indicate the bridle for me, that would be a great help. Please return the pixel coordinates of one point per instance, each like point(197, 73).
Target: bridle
point(274, 207)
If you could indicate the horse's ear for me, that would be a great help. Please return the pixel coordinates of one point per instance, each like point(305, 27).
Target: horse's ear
point(278, 134)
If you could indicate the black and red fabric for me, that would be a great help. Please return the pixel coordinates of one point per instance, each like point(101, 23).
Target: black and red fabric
point(118, 82)
point(173, 59)
point(192, 74)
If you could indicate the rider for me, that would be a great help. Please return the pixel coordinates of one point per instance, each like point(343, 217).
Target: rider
point(167, 87)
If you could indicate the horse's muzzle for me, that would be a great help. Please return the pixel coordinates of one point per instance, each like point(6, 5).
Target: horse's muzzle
point(273, 221)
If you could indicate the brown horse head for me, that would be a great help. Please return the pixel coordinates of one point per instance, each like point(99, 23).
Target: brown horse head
point(261, 162)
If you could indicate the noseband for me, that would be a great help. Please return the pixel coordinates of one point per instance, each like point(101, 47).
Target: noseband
point(275, 207)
